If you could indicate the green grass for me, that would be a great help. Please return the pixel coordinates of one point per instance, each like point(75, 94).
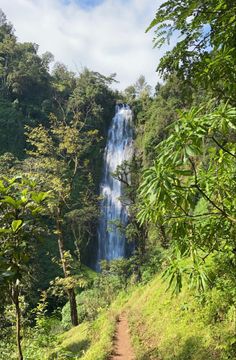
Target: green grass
point(90, 340)
point(163, 327)
point(86, 340)
point(174, 327)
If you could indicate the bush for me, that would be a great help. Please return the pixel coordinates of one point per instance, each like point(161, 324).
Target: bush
point(151, 264)
point(114, 277)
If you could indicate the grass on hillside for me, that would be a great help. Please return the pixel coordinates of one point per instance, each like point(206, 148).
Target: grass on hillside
point(166, 327)
point(163, 327)
point(90, 340)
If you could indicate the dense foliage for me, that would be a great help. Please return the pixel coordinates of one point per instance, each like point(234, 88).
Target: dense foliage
point(189, 186)
point(53, 130)
point(180, 188)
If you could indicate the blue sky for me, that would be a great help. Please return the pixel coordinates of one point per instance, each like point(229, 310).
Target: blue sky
point(85, 4)
point(107, 36)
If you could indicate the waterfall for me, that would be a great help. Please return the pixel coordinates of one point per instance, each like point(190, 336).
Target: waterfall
point(111, 240)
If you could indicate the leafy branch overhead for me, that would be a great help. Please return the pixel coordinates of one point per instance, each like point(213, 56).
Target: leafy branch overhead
point(196, 161)
point(205, 51)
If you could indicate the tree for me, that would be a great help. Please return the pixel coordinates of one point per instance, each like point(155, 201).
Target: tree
point(190, 187)
point(47, 59)
point(63, 85)
point(160, 112)
point(92, 100)
point(12, 128)
point(7, 48)
point(28, 78)
point(6, 27)
point(21, 209)
point(57, 157)
point(142, 89)
point(24, 75)
point(129, 94)
point(206, 50)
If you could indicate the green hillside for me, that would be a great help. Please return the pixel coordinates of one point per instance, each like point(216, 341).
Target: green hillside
point(162, 326)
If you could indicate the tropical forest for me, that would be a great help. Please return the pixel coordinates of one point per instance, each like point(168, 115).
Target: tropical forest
point(117, 205)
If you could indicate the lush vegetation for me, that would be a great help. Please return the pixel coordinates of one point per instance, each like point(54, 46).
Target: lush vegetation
point(182, 217)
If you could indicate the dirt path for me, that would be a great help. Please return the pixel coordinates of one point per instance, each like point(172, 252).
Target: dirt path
point(122, 343)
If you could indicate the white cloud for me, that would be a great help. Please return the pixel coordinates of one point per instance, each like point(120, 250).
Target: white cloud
point(107, 38)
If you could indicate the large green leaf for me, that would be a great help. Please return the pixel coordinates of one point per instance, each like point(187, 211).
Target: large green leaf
point(10, 201)
point(16, 225)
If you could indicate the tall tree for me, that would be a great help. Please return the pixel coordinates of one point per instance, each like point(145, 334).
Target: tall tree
point(21, 208)
point(57, 155)
point(188, 186)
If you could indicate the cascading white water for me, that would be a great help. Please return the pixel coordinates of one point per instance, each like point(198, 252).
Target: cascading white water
point(111, 240)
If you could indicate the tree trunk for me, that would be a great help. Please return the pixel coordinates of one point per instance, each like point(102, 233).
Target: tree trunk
point(163, 237)
point(73, 307)
point(15, 298)
point(70, 292)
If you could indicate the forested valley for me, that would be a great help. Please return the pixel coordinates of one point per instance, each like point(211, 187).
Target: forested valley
point(177, 282)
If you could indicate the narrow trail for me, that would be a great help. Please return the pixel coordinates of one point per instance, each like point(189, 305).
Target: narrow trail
point(122, 344)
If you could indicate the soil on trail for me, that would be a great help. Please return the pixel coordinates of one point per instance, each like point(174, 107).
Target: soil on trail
point(122, 344)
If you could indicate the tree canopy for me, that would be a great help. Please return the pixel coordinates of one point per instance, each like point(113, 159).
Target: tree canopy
point(205, 51)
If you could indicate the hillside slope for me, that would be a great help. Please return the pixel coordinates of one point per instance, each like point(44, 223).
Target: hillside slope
point(162, 326)
point(178, 327)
